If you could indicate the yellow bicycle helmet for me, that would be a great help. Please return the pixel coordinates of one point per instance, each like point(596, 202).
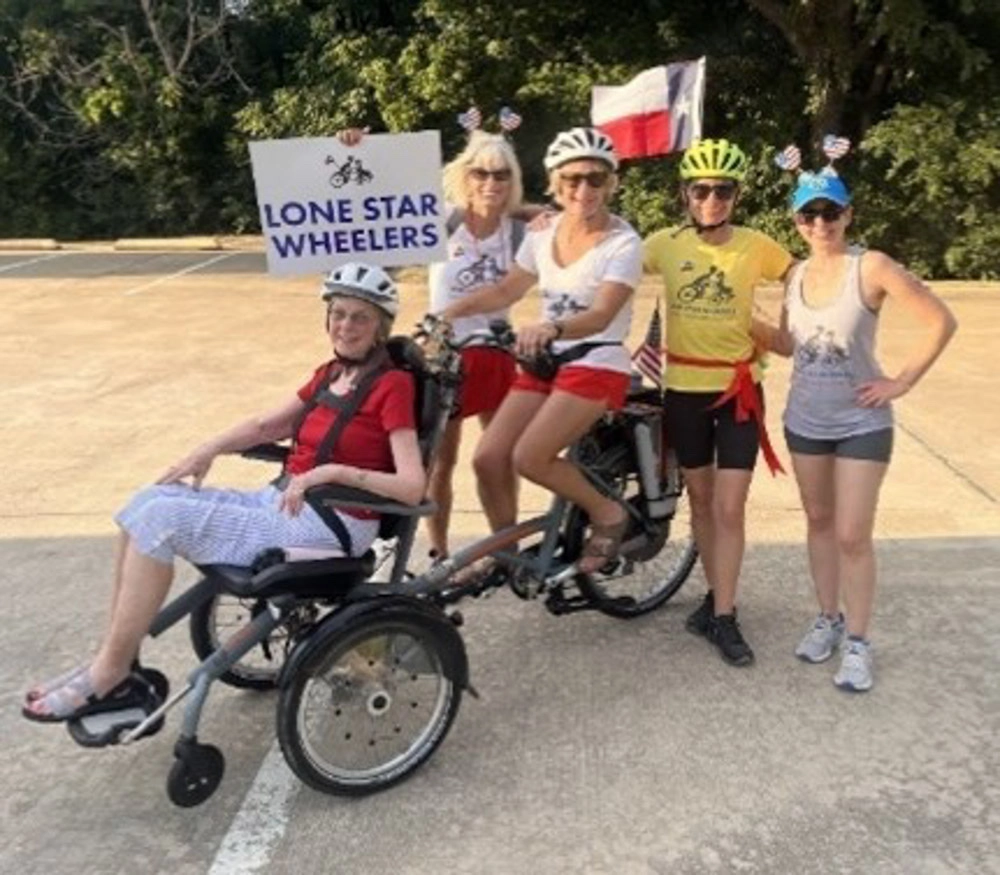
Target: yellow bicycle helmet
point(714, 159)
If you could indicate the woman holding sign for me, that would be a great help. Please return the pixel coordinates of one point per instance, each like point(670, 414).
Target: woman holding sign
point(483, 190)
point(587, 263)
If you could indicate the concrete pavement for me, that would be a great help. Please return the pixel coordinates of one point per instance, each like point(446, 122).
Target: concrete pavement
point(599, 746)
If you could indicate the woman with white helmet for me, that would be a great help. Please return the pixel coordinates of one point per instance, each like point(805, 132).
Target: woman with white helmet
point(352, 423)
point(587, 263)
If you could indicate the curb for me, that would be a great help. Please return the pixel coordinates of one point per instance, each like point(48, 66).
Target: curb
point(33, 243)
point(172, 244)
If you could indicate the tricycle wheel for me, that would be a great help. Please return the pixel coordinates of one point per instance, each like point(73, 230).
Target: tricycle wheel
point(195, 774)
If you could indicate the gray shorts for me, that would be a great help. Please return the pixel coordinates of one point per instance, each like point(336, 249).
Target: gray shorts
point(872, 446)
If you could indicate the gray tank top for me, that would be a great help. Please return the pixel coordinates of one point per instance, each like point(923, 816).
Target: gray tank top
point(834, 355)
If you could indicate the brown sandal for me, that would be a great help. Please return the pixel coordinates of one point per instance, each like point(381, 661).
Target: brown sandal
point(603, 544)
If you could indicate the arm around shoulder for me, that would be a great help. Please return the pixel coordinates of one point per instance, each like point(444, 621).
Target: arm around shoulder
point(503, 294)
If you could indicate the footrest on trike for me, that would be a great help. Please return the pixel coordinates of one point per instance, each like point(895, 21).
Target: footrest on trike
point(149, 690)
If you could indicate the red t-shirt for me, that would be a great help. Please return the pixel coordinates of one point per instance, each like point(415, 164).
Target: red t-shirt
point(364, 443)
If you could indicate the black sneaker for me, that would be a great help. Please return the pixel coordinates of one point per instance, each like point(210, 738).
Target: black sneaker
point(724, 633)
point(699, 619)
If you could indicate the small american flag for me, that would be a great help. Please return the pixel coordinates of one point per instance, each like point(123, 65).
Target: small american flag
point(835, 147)
point(470, 119)
point(789, 158)
point(509, 120)
point(648, 358)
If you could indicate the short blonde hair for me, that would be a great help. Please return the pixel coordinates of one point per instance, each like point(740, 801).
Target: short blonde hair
point(491, 151)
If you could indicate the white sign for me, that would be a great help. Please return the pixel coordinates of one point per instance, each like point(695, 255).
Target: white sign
point(323, 203)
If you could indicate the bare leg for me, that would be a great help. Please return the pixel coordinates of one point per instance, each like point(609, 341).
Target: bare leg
point(494, 454)
point(439, 487)
point(729, 500)
point(121, 545)
point(141, 591)
point(561, 420)
point(814, 474)
point(857, 483)
point(699, 483)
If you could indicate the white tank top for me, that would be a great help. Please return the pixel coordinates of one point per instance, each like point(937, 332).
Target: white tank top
point(834, 355)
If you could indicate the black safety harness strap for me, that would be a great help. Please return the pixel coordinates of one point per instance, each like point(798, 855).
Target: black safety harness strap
point(346, 406)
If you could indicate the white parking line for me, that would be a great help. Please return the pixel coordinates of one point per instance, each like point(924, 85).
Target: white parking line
point(18, 264)
point(261, 821)
point(172, 276)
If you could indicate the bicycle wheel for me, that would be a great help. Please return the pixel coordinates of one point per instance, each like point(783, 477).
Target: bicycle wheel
point(214, 621)
point(661, 557)
point(372, 706)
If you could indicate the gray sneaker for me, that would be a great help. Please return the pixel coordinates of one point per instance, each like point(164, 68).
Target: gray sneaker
point(855, 672)
point(823, 637)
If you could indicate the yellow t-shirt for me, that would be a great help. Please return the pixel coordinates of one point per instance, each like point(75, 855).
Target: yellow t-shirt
point(708, 291)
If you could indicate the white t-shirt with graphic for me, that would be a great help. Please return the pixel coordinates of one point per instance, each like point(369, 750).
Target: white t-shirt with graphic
point(571, 289)
point(471, 264)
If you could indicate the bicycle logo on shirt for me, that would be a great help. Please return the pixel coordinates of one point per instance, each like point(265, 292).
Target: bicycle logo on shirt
point(483, 271)
point(562, 305)
point(709, 288)
point(352, 170)
point(822, 349)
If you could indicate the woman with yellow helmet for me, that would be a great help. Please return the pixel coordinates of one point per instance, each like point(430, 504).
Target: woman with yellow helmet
point(714, 401)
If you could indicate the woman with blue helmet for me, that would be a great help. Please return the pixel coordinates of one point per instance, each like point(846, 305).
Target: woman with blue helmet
point(838, 418)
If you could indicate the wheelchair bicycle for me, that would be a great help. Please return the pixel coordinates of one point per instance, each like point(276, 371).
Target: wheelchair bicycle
point(370, 675)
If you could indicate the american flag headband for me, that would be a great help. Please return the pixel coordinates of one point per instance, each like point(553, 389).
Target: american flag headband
point(834, 147)
point(472, 120)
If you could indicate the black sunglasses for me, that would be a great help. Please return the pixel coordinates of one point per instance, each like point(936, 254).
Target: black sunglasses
point(829, 213)
point(481, 174)
point(724, 191)
point(595, 179)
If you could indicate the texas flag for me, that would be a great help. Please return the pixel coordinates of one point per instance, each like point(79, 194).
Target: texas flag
point(657, 112)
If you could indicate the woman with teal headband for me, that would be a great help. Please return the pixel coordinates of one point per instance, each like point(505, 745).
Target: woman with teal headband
point(838, 418)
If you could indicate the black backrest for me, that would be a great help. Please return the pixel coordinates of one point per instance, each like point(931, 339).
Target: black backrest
point(407, 355)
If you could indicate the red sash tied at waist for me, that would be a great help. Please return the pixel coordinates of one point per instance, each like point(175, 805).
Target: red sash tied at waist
point(747, 399)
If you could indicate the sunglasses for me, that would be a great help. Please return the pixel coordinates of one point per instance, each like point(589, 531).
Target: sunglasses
point(724, 191)
point(481, 174)
point(829, 214)
point(595, 179)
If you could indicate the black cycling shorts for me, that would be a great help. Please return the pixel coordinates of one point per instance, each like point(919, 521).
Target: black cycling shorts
point(700, 435)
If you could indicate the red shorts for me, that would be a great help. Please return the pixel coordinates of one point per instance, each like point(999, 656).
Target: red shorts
point(594, 384)
point(486, 377)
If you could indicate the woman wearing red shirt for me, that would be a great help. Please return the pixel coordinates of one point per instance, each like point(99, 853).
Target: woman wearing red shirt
point(374, 449)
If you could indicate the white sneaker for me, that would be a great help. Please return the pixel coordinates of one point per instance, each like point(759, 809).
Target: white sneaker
point(855, 672)
point(823, 637)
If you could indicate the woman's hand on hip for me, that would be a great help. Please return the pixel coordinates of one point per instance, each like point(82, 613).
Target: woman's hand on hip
point(878, 393)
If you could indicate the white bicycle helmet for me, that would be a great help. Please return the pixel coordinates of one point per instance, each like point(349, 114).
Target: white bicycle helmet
point(363, 281)
point(578, 143)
